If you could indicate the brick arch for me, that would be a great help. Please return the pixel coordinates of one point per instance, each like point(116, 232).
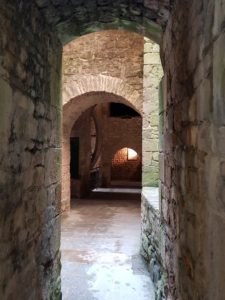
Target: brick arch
point(80, 94)
point(101, 83)
point(78, 98)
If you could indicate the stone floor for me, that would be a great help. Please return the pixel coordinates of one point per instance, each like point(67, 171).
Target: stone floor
point(100, 252)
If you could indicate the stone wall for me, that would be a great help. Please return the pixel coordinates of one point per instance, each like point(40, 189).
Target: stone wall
point(192, 209)
point(152, 245)
point(113, 53)
point(73, 18)
point(153, 73)
point(193, 191)
point(152, 233)
point(30, 108)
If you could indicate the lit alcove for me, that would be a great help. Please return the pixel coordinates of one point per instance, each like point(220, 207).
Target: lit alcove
point(131, 154)
point(126, 166)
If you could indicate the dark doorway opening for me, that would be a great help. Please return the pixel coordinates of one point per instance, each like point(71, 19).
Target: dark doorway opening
point(74, 157)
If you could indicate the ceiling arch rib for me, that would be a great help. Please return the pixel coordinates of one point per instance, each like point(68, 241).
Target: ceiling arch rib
point(73, 18)
point(104, 87)
point(73, 109)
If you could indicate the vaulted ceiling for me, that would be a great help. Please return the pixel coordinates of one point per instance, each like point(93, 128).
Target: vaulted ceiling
point(76, 17)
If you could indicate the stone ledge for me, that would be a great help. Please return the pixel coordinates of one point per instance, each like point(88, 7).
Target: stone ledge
point(151, 195)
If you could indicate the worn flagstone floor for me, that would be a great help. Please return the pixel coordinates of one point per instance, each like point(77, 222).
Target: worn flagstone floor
point(100, 251)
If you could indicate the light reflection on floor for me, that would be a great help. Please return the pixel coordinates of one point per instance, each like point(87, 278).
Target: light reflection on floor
point(100, 252)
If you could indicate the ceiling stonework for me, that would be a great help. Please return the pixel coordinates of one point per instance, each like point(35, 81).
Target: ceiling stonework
point(73, 18)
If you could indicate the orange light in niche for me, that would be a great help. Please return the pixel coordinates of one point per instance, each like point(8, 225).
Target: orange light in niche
point(131, 154)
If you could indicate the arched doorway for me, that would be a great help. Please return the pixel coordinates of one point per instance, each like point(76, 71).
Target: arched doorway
point(193, 187)
point(42, 92)
point(72, 110)
point(82, 90)
point(96, 234)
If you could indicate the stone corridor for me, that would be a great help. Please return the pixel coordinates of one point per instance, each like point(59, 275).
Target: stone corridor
point(100, 251)
point(69, 62)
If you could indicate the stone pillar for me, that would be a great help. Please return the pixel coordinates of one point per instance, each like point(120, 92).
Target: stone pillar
point(153, 226)
point(152, 75)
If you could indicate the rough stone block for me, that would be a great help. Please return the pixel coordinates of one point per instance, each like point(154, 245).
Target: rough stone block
point(219, 81)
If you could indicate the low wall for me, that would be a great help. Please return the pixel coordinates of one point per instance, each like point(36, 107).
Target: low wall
point(152, 240)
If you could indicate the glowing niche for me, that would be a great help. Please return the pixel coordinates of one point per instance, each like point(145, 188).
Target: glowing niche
point(131, 154)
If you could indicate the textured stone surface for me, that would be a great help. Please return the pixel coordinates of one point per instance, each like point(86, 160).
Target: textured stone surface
point(192, 191)
point(193, 181)
point(150, 130)
point(29, 155)
point(152, 237)
point(75, 18)
point(112, 59)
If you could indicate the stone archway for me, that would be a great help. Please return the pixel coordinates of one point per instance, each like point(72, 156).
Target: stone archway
point(85, 82)
point(99, 84)
point(79, 18)
point(194, 136)
point(34, 69)
point(85, 63)
point(104, 90)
